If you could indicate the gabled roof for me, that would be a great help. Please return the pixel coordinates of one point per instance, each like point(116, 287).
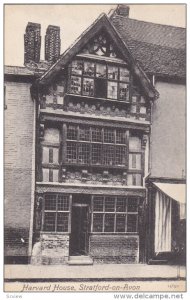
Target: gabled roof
point(101, 23)
point(160, 49)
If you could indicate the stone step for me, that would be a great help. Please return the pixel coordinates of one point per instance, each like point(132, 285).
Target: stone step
point(80, 260)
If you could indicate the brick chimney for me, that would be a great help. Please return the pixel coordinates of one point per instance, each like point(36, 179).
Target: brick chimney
point(52, 43)
point(123, 10)
point(32, 43)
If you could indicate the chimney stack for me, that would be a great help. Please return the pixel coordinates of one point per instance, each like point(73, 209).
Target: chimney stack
point(32, 43)
point(52, 43)
point(123, 10)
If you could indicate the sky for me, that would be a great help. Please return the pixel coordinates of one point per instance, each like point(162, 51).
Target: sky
point(73, 20)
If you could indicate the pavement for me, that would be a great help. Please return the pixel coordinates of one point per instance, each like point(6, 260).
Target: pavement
point(93, 272)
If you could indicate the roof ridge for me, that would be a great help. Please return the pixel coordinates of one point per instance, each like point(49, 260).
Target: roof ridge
point(137, 20)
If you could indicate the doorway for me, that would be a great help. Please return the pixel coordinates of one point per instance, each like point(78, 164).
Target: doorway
point(79, 239)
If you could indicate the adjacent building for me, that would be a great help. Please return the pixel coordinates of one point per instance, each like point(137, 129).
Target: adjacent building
point(96, 145)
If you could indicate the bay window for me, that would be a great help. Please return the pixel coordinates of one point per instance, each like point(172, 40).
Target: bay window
point(96, 146)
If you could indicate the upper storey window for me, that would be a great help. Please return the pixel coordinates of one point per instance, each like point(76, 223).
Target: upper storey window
point(99, 80)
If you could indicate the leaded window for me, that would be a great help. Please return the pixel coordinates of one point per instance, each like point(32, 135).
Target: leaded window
point(114, 214)
point(99, 80)
point(104, 146)
point(56, 213)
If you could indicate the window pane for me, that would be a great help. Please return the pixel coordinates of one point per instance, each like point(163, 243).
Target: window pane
point(76, 67)
point(72, 132)
point(96, 154)
point(49, 221)
point(120, 156)
point(109, 223)
point(63, 203)
point(83, 153)
point(84, 134)
point(45, 155)
point(45, 175)
point(121, 204)
point(97, 222)
point(124, 75)
point(120, 222)
point(120, 136)
point(88, 87)
point(112, 72)
point(132, 205)
point(50, 202)
point(96, 135)
point(108, 136)
point(71, 152)
point(109, 204)
point(62, 222)
point(100, 70)
point(123, 92)
point(131, 223)
point(75, 87)
point(108, 155)
point(134, 143)
point(133, 109)
point(98, 204)
point(112, 90)
point(89, 69)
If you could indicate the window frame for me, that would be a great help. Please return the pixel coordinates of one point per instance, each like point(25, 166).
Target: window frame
point(115, 144)
point(116, 213)
point(107, 64)
point(56, 211)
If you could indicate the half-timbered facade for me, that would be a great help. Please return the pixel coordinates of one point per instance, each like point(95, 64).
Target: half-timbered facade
point(92, 159)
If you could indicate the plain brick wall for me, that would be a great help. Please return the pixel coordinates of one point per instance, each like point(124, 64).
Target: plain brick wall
point(19, 117)
point(118, 248)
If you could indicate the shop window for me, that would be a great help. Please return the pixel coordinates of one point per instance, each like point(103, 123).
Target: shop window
point(115, 214)
point(56, 213)
point(132, 222)
point(98, 222)
point(109, 223)
point(120, 222)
